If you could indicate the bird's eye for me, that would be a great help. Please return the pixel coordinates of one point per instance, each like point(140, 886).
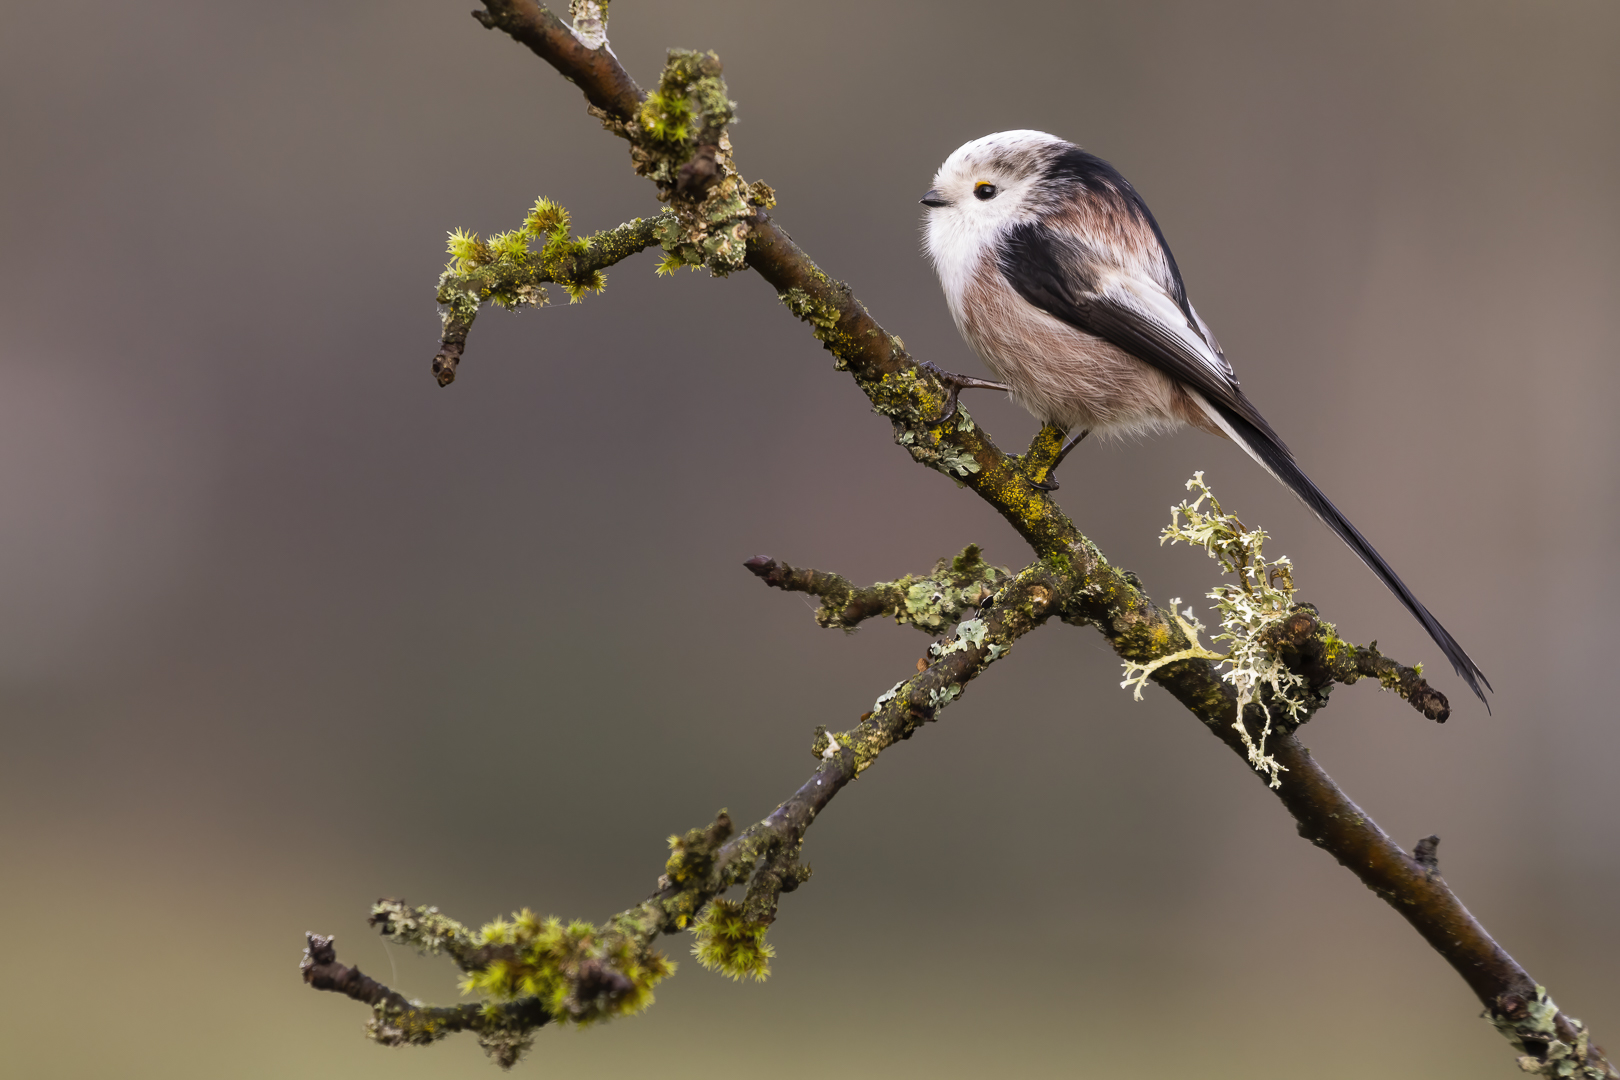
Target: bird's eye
point(984, 191)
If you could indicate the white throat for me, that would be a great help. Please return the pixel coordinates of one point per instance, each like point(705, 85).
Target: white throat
point(958, 245)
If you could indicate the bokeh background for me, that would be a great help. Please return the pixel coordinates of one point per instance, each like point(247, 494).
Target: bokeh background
point(284, 627)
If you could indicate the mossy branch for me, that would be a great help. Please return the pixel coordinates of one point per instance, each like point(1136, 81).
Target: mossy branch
point(506, 270)
point(678, 139)
point(536, 971)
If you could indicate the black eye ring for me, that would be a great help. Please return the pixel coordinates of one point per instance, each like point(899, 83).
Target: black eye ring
point(984, 192)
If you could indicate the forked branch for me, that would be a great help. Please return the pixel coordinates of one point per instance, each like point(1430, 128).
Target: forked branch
point(546, 972)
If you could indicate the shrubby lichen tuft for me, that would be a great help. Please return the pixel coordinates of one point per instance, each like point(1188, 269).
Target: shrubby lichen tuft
point(426, 929)
point(1257, 605)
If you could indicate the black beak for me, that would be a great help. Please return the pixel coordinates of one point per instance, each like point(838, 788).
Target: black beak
point(934, 198)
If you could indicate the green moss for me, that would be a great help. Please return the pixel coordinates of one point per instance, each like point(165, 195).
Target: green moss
point(666, 115)
point(730, 944)
point(579, 973)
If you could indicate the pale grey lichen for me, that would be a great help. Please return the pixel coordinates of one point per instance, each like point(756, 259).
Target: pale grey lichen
point(894, 691)
point(1262, 598)
point(590, 22)
point(1539, 1025)
point(959, 462)
point(969, 633)
point(426, 929)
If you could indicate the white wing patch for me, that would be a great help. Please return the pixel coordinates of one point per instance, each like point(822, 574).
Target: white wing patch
point(1148, 300)
point(1209, 336)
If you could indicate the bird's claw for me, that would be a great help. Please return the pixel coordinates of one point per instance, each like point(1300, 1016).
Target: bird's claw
point(957, 383)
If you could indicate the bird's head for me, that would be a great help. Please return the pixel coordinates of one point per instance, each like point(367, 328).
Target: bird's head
point(988, 185)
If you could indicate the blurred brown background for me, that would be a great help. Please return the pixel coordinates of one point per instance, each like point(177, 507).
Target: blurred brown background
point(284, 627)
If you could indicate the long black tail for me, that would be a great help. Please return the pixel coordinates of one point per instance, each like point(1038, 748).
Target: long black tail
point(1264, 447)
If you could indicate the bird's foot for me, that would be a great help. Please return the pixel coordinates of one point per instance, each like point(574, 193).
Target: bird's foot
point(957, 383)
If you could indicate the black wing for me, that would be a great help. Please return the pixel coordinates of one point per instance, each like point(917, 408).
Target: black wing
point(1061, 277)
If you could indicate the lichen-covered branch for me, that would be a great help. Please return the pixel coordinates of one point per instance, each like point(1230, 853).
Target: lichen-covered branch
point(1313, 649)
point(1030, 598)
point(538, 971)
point(1271, 638)
point(504, 1030)
point(678, 138)
point(930, 603)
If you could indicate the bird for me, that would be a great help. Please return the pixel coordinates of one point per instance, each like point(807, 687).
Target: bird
point(1059, 277)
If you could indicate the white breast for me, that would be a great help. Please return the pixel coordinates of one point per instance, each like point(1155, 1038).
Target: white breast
point(1060, 374)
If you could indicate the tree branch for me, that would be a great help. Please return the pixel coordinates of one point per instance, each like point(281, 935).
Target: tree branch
point(608, 975)
point(505, 1031)
point(1310, 647)
point(928, 603)
point(678, 139)
point(514, 277)
point(593, 68)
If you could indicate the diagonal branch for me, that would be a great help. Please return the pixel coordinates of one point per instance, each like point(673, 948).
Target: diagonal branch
point(691, 163)
point(593, 68)
point(705, 863)
point(1127, 617)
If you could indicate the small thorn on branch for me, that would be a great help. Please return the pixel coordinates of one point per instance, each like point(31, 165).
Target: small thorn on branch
point(1424, 854)
point(1511, 1006)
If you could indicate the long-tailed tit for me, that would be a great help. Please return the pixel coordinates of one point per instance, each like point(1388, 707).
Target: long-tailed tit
point(1058, 276)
